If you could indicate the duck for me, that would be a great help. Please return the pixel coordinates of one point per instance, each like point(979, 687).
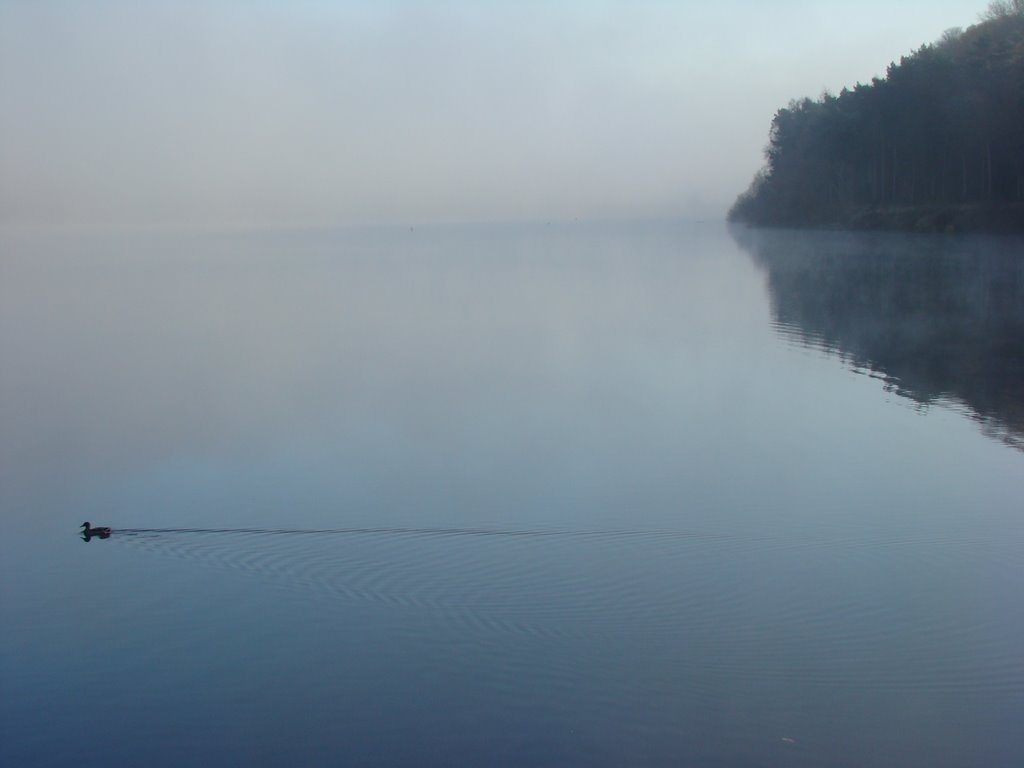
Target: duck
point(102, 531)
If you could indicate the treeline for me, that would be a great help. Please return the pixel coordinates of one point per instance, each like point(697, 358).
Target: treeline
point(942, 132)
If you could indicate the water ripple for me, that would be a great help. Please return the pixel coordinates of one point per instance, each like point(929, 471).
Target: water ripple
point(855, 611)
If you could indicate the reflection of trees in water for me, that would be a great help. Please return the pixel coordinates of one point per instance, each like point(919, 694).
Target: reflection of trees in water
point(938, 318)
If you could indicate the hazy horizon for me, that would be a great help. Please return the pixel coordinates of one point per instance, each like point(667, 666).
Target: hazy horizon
point(188, 115)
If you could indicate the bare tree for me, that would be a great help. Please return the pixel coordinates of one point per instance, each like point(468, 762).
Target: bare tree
point(998, 9)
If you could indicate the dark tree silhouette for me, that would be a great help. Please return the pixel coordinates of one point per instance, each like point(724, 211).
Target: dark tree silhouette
point(936, 144)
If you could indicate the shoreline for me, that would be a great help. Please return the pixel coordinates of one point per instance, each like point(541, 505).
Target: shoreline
point(973, 218)
point(978, 218)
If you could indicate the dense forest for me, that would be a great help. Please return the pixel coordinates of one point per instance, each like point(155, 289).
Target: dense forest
point(937, 144)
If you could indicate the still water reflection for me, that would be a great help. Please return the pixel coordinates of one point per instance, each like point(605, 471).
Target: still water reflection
point(577, 494)
point(940, 320)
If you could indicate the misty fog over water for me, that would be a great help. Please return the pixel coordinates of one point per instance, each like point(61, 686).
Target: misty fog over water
point(195, 115)
point(641, 493)
point(425, 412)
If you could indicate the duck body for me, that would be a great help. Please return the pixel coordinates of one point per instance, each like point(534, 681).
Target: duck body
point(88, 531)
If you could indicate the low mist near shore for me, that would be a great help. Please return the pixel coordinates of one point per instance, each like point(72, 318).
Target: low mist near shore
point(312, 114)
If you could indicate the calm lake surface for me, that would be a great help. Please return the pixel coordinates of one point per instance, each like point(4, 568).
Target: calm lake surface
point(645, 494)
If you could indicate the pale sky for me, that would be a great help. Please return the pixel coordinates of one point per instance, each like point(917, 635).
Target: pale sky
point(258, 113)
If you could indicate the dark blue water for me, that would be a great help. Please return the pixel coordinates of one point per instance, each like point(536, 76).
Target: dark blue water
point(591, 494)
